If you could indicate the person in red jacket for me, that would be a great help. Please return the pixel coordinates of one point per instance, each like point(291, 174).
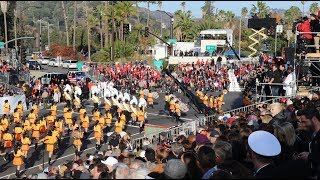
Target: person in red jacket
point(305, 27)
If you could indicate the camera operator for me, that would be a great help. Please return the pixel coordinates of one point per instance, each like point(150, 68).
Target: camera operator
point(304, 27)
point(315, 27)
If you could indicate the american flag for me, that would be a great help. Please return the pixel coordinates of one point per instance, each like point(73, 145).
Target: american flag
point(72, 77)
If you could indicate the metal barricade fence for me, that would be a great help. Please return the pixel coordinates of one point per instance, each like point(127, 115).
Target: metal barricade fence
point(13, 89)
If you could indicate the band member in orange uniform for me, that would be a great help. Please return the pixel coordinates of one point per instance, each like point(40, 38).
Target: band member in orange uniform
point(68, 119)
point(97, 134)
point(108, 119)
point(54, 109)
point(85, 123)
point(5, 122)
point(150, 100)
point(25, 141)
point(141, 118)
point(77, 136)
point(18, 132)
point(36, 132)
point(8, 144)
point(20, 108)
point(7, 107)
point(18, 159)
point(16, 116)
point(49, 140)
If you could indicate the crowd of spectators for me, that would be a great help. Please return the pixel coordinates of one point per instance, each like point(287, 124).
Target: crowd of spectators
point(273, 141)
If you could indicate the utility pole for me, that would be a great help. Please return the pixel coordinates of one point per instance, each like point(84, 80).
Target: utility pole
point(15, 30)
point(40, 36)
point(240, 36)
point(48, 35)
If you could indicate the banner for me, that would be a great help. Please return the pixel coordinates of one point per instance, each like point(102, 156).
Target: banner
point(150, 129)
point(13, 101)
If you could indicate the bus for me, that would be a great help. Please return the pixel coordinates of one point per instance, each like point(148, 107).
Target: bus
point(214, 40)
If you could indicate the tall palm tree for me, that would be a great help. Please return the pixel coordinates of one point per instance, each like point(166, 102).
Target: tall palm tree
point(92, 21)
point(4, 9)
point(314, 8)
point(263, 9)
point(182, 24)
point(65, 21)
point(244, 12)
point(148, 3)
point(207, 9)
point(183, 5)
point(74, 25)
point(161, 19)
point(101, 13)
point(106, 24)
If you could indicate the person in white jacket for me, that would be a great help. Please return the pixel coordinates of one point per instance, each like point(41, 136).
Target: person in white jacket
point(290, 82)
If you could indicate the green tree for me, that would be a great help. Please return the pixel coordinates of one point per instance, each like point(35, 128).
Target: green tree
point(65, 21)
point(291, 14)
point(207, 9)
point(314, 7)
point(125, 9)
point(148, 3)
point(182, 24)
point(244, 11)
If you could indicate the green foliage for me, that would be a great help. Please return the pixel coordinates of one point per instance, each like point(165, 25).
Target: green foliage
point(101, 56)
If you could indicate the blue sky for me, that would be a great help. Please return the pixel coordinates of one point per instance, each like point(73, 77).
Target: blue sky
point(235, 6)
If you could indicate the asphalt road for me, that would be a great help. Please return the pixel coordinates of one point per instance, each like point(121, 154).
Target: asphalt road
point(156, 116)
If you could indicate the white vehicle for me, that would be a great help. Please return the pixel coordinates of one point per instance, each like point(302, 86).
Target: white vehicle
point(44, 60)
point(70, 64)
point(55, 62)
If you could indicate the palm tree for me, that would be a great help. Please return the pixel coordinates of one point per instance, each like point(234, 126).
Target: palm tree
point(74, 25)
point(314, 8)
point(244, 12)
point(161, 19)
point(101, 13)
point(92, 21)
point(183, 5)
point(124, 9)
point(263, 9)
point(207, 9)
point(4, 9)
point(106, 25)
point(65, 21)
point(148, 3)
point(182, 24)
point(291, 14)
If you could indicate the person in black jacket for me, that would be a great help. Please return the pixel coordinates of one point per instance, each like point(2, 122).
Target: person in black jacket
point(310, 120)
point(277, 113)
point(315, 27)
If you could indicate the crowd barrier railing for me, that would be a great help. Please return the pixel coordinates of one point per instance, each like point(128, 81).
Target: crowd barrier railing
point(14, 89)
point(186, 128)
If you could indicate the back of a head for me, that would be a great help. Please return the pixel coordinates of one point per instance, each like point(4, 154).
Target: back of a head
point(177, 148)
point(140, 173)
point(150, 155)
point(122, 171)
point(206, 157)
point(223, 150)
point(175, 169)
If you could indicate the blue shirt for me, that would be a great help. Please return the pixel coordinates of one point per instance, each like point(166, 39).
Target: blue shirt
point(209, 173)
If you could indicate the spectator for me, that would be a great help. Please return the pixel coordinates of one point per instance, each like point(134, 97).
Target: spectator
point(223, 151)
point(277, 114)
point(175, 169)
point(206, 161)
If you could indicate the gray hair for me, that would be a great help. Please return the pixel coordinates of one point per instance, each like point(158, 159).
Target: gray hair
point(122, 170)
point(175, 169)
point(140, 173)
point(177, 148)
point(135, 164)
point(285, 133)
point(223, 149)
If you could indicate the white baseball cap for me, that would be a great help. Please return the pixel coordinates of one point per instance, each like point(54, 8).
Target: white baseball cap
point(264, 143)
point(110, 161)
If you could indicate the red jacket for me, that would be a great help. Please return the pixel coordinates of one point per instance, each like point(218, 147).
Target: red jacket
point(305, 27)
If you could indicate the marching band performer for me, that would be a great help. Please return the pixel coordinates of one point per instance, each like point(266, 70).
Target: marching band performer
point(143, 104)
point(98, 135)
point(5, 122)
point(53, 109)
point(7, 138)
point(177, 110)
point(32, 116)
point(211, 101)
point(67, 97)
point(26, 142)
point(141, 118)
point(43, 125)
point(141, 94)
point(77, 136)
point(18, 132)
point(7, 107)
point(20, 107)
point(118, 126)
point(77, 102)
point(58, 125)
point(120, 107)
point(102, 120)
point(27, 127)
point(81, 112)
point(50, 120)
point(172, 106)
point(68, 119)
point(150, 99)
point(74, 125)
point(134, 113)
point(96, 114)
point(96, 101)
point(85, 123)
point(16, 116)
point(56, 133)
point(107, 103)
point(1, 135)
point(205, 99)
point(36, 133)
point(49, 140)
point(17, 160)
point(35, 108)
point(123, 119)
point(127, 109)
point(108, 119)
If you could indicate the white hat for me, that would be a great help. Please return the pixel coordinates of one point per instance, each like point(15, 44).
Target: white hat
point(289, 102)
point(100, 152)
point(110, 161)
point(264, 143)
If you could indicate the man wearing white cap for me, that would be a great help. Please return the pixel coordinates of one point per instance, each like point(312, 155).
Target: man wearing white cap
point(263, 147)
point(110, 161)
